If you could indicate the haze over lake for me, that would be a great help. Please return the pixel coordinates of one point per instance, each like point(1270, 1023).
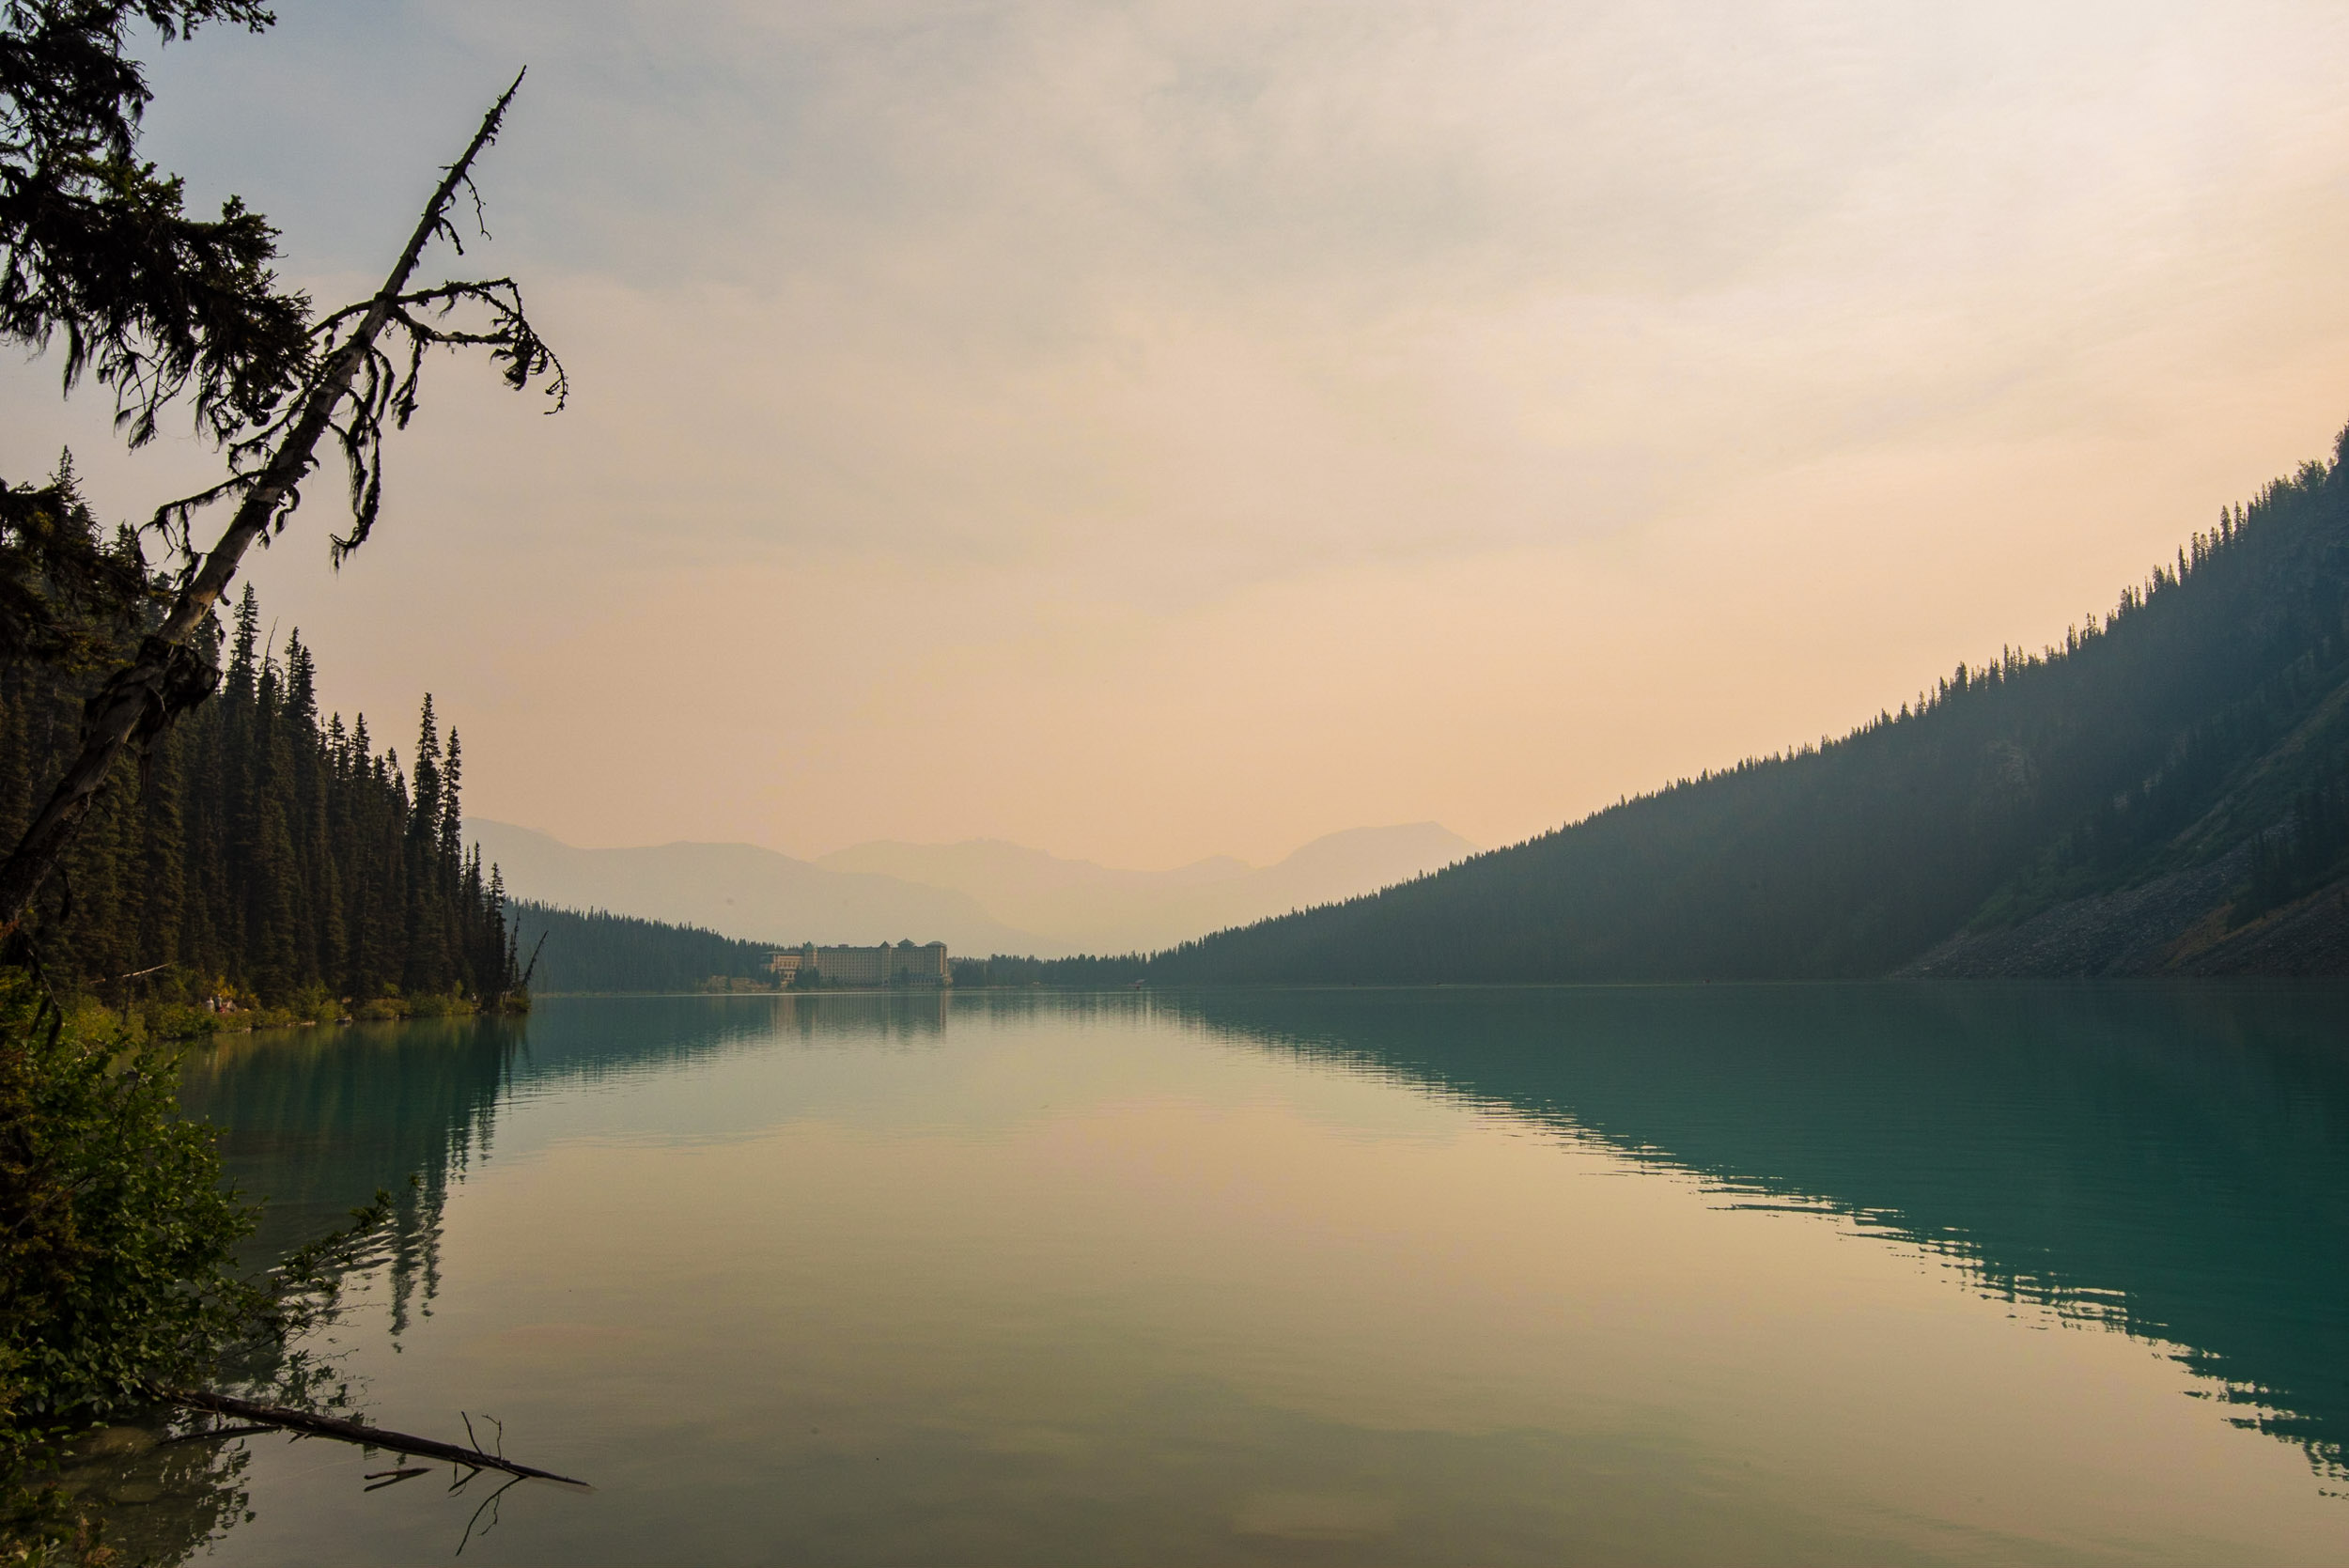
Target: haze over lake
point(980, 896)
point(1819, 1274)
point(1436, 782)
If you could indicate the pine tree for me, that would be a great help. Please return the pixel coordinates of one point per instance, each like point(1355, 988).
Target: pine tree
point(257, 848)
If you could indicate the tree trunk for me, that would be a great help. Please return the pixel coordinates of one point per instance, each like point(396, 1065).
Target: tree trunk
point(316, 1425)
point(166, 677)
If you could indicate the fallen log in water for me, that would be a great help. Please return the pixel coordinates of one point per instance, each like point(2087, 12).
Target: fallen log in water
point(290, 1420)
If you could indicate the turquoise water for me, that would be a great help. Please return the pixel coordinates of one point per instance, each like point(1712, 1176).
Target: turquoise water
point(1798, 1274)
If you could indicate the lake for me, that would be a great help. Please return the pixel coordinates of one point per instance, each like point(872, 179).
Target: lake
point(1646, 1275)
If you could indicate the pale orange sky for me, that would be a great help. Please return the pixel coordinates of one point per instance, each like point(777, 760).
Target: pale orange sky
point(1146, 432)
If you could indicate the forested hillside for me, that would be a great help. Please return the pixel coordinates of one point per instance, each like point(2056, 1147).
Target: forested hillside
point(593, 949)
point(2168, 791)
point(261, 849)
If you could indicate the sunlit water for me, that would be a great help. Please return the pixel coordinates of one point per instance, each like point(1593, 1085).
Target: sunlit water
point(1800, 1274)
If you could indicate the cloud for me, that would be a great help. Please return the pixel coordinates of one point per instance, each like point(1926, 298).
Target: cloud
point(1482, 360)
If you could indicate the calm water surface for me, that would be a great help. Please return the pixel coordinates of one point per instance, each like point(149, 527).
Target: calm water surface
point(1800, 1274)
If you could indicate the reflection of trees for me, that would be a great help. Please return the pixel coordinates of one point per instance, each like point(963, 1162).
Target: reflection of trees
point(2170, 1161)
point(164, 1502)
point(1080, 1007)
point(593, 1039)
point(315, 1121)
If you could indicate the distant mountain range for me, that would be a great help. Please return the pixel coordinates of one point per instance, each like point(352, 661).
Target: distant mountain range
point(739, 890)
point(1077, 905)
point(978, 897)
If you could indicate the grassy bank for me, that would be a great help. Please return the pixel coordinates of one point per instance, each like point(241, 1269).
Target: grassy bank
point(163, 1021)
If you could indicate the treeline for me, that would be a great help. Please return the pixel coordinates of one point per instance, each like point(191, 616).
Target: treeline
point(593, 950)
point(2308, 849)
point(2205, 718)
point(1079, 973)
point(258, 853)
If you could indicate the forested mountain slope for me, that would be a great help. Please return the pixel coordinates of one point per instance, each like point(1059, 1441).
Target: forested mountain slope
point(2169, 790)
point(598, 952)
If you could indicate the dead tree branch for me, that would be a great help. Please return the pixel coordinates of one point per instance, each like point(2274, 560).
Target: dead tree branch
point(286, 1419)
point(353, 391)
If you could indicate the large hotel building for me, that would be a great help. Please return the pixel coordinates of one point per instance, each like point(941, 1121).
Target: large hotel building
point(902, 965)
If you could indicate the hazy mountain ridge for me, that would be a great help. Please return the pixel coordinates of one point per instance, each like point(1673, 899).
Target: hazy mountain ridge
point(2168, 792)
point(1080, 905)
point(738, 891)
point(979, 897)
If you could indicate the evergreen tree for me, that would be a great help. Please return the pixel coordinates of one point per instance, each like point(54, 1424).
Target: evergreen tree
point(254, 848)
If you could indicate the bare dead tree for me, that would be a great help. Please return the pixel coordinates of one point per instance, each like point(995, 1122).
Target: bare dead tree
point(312, 1424)
point(353, 389)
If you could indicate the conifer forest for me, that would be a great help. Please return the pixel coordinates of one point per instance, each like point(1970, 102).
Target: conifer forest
point(262, 853)
point(595, 950)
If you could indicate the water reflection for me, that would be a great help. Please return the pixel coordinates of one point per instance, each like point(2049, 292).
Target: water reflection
point(2171, 1161)
point(165, 1497)
point(319, 1118)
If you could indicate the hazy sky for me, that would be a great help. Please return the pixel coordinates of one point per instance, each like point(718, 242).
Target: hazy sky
point(1150, 430)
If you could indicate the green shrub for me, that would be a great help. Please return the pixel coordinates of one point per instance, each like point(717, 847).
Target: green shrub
point(116, 1239)
point(118, 1256)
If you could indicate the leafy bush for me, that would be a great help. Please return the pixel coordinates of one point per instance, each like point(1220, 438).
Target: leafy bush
point(118, 1248)
point(119, 1241)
